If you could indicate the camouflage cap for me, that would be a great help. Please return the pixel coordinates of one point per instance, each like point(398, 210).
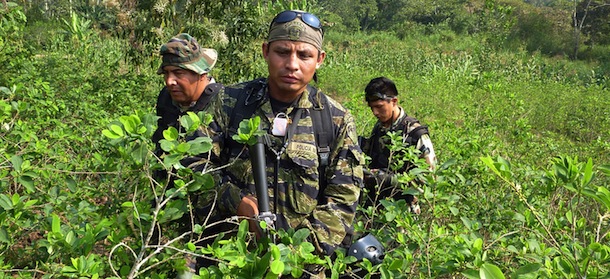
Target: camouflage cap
point(183, 51)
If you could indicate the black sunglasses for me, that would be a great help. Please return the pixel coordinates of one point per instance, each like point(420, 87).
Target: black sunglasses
point(377, 96)
point(288, 16)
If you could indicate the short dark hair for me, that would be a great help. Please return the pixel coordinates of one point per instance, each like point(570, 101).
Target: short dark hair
point(380, 88)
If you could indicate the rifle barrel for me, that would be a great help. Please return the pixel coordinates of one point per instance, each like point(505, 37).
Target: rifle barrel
point(259, 171)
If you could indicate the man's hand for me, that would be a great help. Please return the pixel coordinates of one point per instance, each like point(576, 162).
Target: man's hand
point(248, 207)
point(413, 203)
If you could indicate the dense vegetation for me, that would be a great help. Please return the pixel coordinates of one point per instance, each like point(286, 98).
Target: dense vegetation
point(515, 94)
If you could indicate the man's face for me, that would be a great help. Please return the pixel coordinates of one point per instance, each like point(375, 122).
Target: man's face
point(383, 108)
point(291, 65)
point(184, 86)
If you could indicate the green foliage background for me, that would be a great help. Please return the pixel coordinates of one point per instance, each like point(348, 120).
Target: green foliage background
point(520, 126)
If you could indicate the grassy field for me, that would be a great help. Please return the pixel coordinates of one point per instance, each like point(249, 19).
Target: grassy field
point(513, 130)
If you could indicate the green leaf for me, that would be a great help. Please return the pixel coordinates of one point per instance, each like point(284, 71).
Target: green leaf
point(205, 180)
point(69, 269)
point(248, 130)
point(526, 269)
point(588, 173)
point(191, 246)
point(183, 147)
point(4, 236)
point(117, 130)
point(127, 205)
point(5, 202)
point(55, 224)
point(200, 145)
point(277, 266)
point(170, 214)
point(500, 167)
point(300, 236)
point(27, 182)
point(75, 262)
point(171, 160)
point(130, 123)
point(477, 245)
point(71, 184)
point(30, 203)
point(604, 196)
point(396, 264)
point(109, 134)
point(243, 229)
point(205, 118)
point(71, 238)
point(138, 153)
point(471, 274)
point(17, 161)
point(275, 252)
point(390, 215)
point(198, 229)
point(168, 145)
point(171, 134)
point(190, 122)
point(306, 248)
point(488, 161)
point(15, 199)
point(447, 164)
point(490, 271)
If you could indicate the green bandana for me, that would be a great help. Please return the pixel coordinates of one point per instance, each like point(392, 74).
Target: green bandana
point(295, 30)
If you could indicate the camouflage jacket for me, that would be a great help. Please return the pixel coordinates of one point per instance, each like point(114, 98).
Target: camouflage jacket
point(297, 190)
point(413, 134)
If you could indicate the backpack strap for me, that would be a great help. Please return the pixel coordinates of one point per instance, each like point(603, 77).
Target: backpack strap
point(324, 134)
point(322, 125)
point(414, 135)
point(208, 93)
point(247, 100)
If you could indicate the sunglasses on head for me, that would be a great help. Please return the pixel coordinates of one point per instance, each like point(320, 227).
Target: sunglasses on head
point(377, 96)
point(288, 16)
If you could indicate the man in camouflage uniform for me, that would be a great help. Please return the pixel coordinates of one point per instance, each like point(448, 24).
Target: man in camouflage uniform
point(185, 67)
point(293, 52)
point(380, 179)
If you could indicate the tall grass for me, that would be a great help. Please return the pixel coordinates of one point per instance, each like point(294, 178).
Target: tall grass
point(537, 107)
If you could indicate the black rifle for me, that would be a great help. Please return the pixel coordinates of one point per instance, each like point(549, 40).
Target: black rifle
point(259, 171)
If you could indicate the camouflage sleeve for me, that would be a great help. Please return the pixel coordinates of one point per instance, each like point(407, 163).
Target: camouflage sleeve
point(425, 145)
point(334, 220)
point(226, 195)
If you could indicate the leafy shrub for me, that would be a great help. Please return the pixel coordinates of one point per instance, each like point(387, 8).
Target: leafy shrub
point(74, 203)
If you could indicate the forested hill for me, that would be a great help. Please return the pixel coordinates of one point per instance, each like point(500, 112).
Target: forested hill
point(515, 95)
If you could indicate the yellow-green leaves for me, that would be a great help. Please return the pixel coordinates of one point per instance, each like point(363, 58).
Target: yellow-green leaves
point(114, 131)
point(248, 131)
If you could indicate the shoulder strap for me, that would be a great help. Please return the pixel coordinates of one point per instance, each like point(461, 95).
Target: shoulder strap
point(322, 125)
point(324, 134)
point(247, 100)
point(414, 135)
point(208, 93)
